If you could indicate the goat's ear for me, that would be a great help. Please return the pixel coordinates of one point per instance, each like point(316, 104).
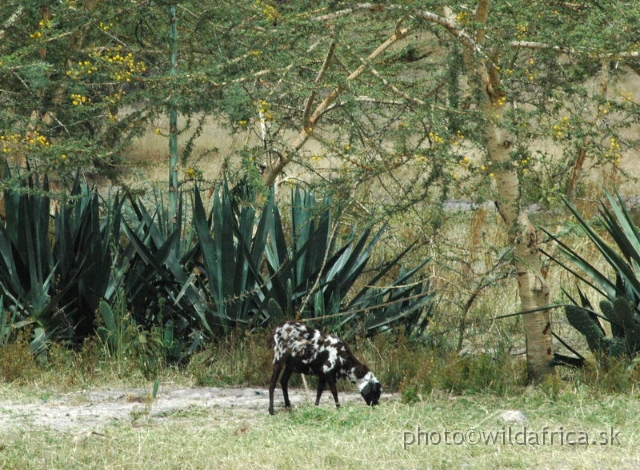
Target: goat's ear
point(371, 393)
point(366, 391)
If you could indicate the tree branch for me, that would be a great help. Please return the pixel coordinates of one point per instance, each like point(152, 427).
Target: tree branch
point(394, 88)
point(374, 7)
point(304, 134)
point(569, 50)
point(450, 26)
point(11, 20)
point(318, 79)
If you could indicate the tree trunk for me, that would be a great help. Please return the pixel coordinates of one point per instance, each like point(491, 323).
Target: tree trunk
point(532, 288)
point(173, 126)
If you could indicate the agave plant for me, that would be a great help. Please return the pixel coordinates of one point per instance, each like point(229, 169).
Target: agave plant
point(621, 292)
point(57, 269)
point(231, 246)
point(316, 276)
point(83, 245)
point(233, 266)
point(158, 288)
point(54, 285)
point(405, 303)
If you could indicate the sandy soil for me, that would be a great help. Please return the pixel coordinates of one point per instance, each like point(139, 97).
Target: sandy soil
point(92, 410)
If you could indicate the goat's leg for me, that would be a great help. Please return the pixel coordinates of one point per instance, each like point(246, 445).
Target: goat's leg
point(277, 368)
point(334, 390)
point(321, 383)
point(284, 381)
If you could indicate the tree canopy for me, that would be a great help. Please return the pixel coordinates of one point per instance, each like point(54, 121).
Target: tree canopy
point(384, 91)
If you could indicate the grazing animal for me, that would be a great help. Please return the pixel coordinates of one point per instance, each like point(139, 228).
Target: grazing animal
point(305, 350)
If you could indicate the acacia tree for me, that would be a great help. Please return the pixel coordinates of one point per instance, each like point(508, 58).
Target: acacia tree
point(419, 102)
point(64, 75)
point(500, 97)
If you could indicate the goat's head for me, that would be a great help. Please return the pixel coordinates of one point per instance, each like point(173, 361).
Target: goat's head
point(370, 389)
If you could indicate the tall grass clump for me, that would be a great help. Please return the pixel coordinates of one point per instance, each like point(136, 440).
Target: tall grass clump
point(17, 362)
point(240, 358)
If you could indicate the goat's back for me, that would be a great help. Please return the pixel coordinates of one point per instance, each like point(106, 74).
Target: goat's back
point(296, 340)
point(308, 351)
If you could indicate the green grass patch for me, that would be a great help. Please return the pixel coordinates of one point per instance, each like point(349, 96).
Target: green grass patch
point(354, 437)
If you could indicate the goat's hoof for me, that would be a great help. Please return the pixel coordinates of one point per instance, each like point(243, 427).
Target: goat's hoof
point(271, 412)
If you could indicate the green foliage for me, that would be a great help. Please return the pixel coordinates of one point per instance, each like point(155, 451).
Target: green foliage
point(68, 75)
point(312, 270)
point(231, 255)
point(582, 322)
point(620, 306)
point(157, 287)
point(313, 278)
point(55, 284)
point(153, 289)
point(81, 82)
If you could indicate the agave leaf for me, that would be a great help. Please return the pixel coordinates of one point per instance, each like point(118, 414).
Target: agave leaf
point(580, 320)
point(6, 323)
point(223, 221)
point(384, 269)
point(221, 256)
point(275, 312)
point(38, 345)
point(602, 282)
point(276, 250)
point(265, 227)
point(107, 316)
point(630, 242)
point(154, 260)
point(209, 253)
point(612, 257)
point(621, 296)
point(243, 278)
point(9, 271)
point(395, 312)
point(355, 263)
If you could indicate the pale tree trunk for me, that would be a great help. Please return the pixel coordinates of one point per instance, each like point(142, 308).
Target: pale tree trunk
point(532, 288)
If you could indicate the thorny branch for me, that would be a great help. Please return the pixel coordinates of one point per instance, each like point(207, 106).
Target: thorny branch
point(304, 134)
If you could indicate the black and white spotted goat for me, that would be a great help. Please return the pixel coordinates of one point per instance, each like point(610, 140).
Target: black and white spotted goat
point(302, 349)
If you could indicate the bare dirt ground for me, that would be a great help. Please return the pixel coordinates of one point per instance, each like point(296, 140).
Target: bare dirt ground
point(92, 410)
